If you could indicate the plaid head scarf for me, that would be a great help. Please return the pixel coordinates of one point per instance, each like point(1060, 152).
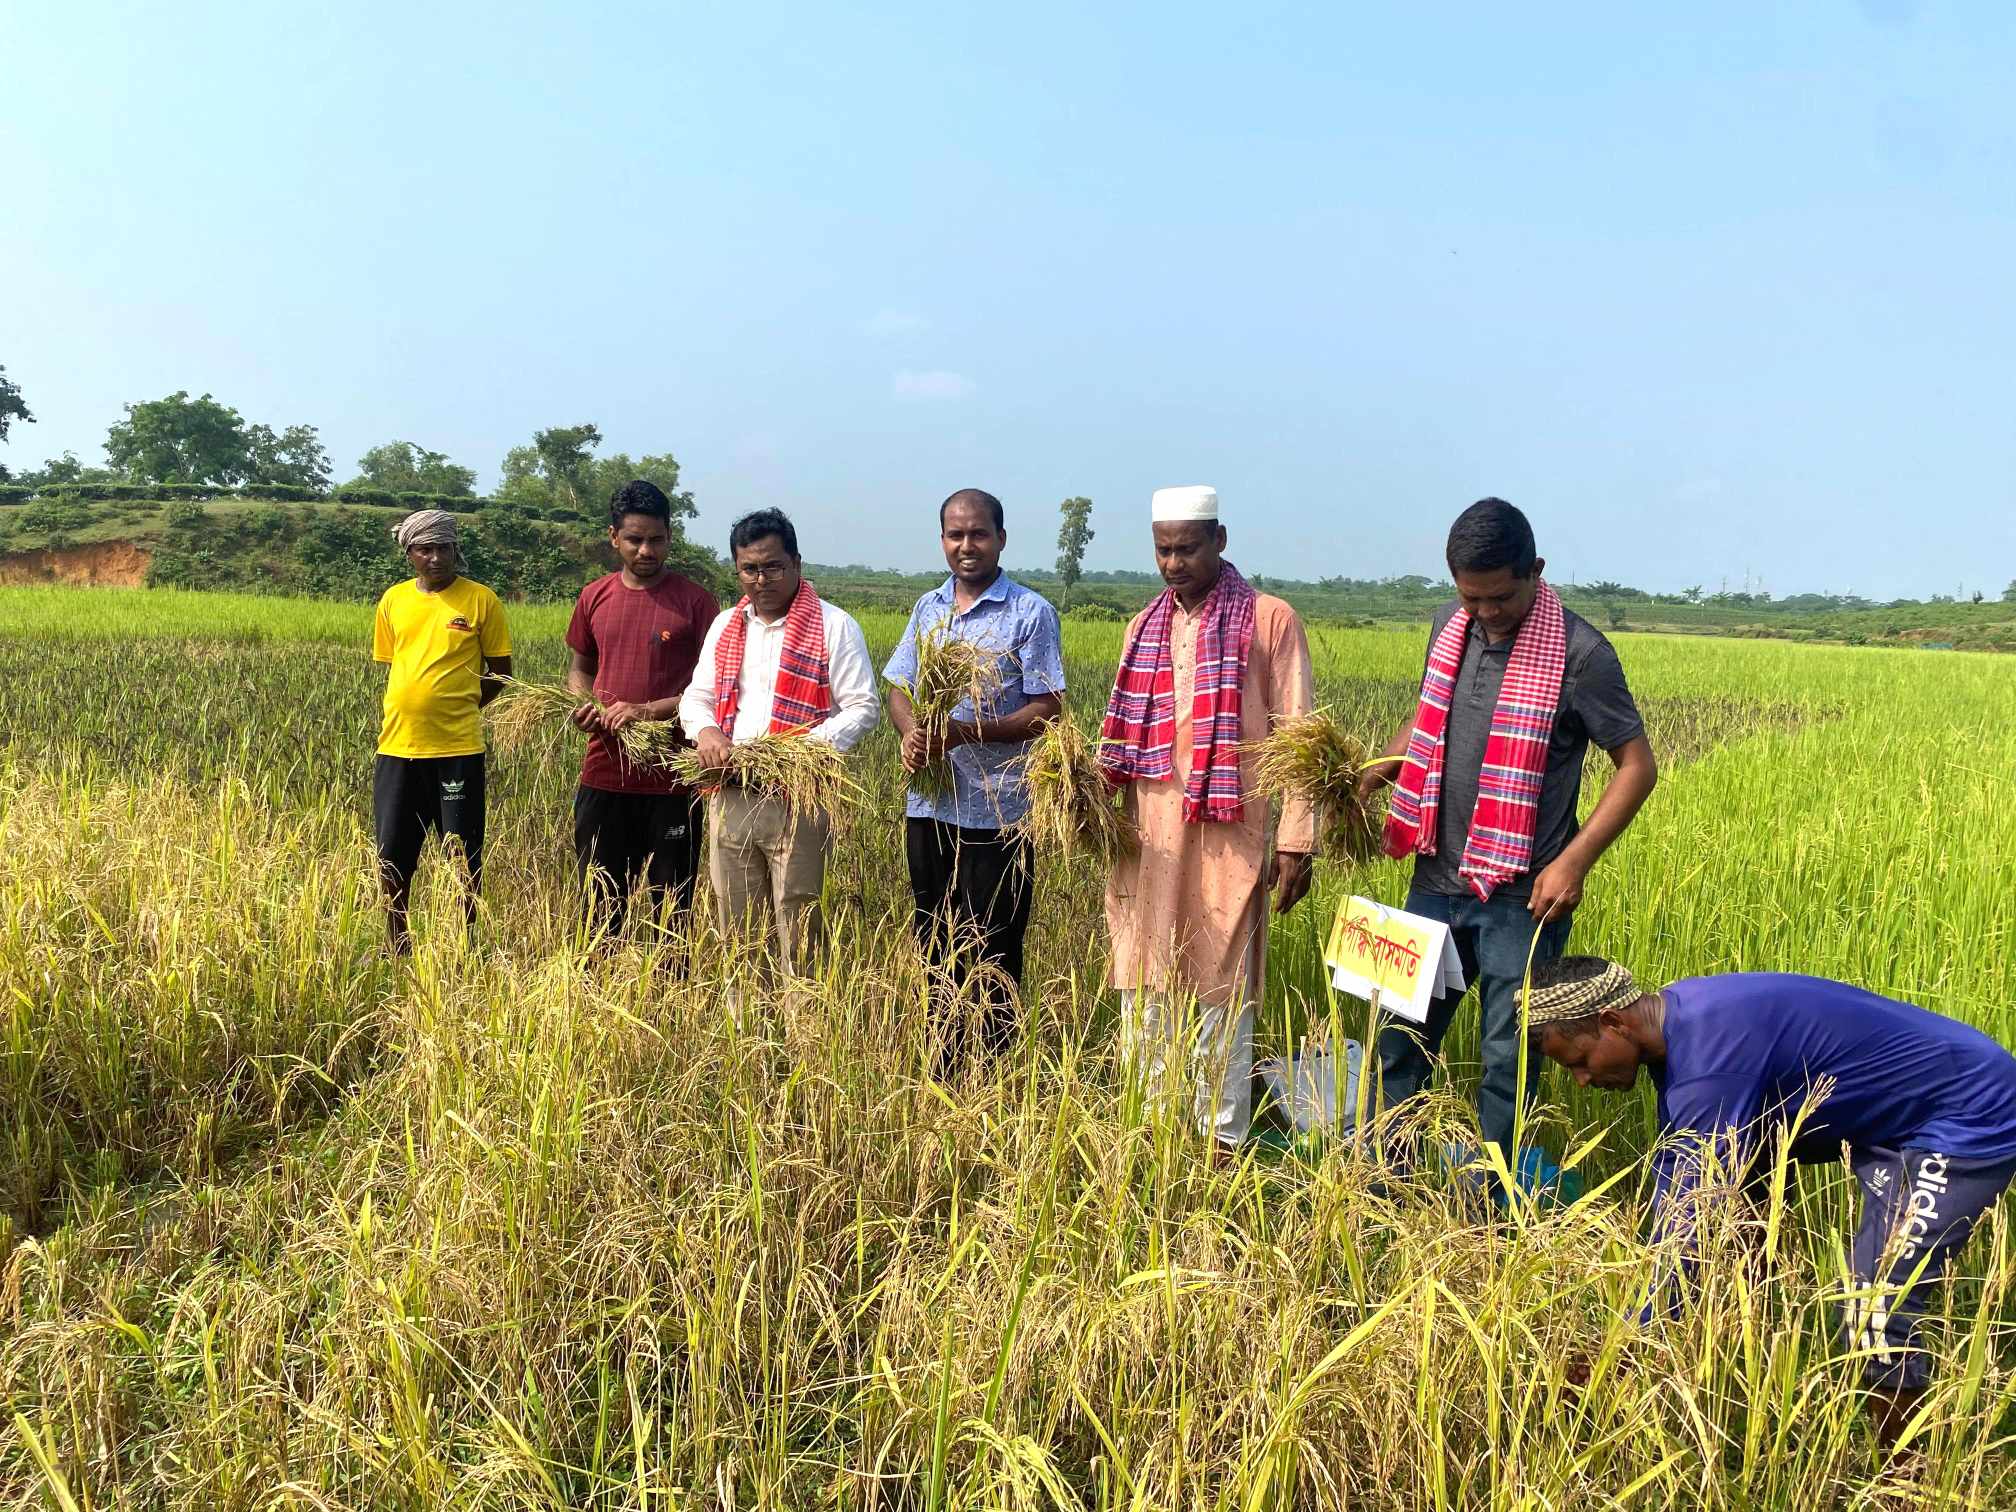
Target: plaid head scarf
point(1563, 1002)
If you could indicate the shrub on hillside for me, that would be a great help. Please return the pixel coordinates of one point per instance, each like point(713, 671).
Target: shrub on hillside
point(133, 492)
point(15, 493)
point(385, 498)
point(453, 503)
point(267, 524)
point(341, 552)
point(53, 517)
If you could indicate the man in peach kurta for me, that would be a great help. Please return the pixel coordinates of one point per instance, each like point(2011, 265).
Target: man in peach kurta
point(1188, 915)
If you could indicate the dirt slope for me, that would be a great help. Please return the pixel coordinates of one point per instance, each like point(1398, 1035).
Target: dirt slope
point(102, 564)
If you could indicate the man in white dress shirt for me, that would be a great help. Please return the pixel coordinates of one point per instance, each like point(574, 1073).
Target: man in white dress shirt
point(783, 661)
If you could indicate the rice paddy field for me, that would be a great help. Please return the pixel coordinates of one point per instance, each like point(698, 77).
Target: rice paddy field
point(528, 1223)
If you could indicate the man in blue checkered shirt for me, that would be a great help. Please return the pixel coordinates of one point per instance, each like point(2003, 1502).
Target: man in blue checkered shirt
point(971, 877)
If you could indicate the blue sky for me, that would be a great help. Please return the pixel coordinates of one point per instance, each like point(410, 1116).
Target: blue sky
point(1709, 290)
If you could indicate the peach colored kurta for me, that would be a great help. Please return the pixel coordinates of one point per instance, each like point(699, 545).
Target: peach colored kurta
point(1190, 912)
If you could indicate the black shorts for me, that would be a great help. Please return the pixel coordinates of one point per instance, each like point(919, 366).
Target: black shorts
point(621, 839)
point(413, 797)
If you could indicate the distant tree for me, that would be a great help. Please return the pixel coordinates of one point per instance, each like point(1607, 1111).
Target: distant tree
point(1692, 595)
point(404, 467)
point(560, 471)
point(1073, 536)
point(294, 456)
point(566, 462)
point(12, 407)
point(1977, 596)
point(607, 474)
point(180, 440)
point(554, 469)
point(2009, 593)
point(66, 469)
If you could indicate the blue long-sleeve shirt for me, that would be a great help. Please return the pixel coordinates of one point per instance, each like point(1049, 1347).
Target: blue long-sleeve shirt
point(1744, 1051)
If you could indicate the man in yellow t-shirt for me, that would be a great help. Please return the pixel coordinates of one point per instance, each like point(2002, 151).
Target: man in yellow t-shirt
point(447, 644)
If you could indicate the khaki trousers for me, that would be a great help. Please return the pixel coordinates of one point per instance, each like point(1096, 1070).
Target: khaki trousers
point(768, 865)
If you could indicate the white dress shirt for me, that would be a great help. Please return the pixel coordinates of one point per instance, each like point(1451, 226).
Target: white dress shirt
point(848, 670)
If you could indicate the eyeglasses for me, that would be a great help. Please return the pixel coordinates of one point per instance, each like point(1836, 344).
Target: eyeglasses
point(762, 572)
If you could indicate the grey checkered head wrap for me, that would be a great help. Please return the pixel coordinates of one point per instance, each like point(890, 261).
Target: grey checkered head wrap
point(426, 527)
point(1561, 1002)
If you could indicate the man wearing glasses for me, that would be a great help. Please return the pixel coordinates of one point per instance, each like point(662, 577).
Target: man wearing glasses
point(783, 661)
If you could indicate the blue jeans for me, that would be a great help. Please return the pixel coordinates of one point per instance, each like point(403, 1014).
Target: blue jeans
point(1492, 939)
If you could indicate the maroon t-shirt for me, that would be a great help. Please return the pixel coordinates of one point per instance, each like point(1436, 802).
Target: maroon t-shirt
point(644, 643)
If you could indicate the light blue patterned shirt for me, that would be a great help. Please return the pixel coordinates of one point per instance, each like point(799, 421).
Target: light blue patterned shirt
point(1020, 627)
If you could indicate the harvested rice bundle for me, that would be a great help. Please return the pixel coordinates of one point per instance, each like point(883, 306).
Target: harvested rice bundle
point(1316, 759)
point(524, 708)
point(950, 671)
point(654, 743)
point(811, 774)
point(1071, 805)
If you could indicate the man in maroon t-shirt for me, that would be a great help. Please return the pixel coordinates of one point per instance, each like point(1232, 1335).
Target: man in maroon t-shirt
point(635, 636)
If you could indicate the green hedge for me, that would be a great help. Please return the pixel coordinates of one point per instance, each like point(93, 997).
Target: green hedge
point(287, 493)
point(142, 491)
point(387, 498)
point(337, 551)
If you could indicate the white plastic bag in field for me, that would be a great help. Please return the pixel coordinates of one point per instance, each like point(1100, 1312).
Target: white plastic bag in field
point(1306, 1087)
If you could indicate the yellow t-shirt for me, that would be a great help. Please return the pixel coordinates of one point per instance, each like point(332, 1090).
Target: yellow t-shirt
point(436, 643)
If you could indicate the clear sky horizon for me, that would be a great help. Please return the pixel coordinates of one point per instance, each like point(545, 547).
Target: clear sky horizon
point(1715, 292)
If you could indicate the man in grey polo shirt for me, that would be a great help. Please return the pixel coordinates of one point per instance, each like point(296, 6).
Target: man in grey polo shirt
point(1493, 915)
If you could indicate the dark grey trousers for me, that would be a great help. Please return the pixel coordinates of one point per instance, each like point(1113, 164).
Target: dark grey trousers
point(1918, 1209)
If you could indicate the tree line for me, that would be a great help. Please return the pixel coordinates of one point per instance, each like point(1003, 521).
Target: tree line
point(183, 447)
point(200, 443)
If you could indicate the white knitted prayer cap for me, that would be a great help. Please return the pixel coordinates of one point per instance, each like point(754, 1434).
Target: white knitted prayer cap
point(1194, 501)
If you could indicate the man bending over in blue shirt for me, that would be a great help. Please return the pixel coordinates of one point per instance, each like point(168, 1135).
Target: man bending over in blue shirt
point(1926, 1105)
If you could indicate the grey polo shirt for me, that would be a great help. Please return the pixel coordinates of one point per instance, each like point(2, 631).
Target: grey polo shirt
point(1596, 705)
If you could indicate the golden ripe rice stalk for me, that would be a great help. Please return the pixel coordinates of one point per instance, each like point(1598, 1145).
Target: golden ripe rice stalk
point(950, 671)
point(811, 774)
point(653, 743)
point(524, 708)
point(1316, 759)
point(1071, 807)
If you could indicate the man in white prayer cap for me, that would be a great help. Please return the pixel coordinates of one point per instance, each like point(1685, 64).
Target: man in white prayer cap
point(1208, 667)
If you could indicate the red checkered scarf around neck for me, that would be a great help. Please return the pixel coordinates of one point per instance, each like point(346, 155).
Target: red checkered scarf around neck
point(1139, 736)
point(1515, 754)
point(804, 693)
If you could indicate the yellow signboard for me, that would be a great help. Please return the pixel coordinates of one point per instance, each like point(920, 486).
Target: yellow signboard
point(1403, 957)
